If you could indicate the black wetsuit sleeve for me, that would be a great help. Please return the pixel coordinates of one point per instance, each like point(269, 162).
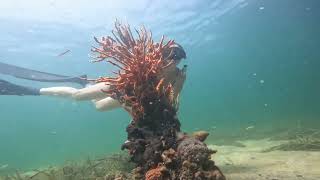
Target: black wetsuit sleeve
point(7, 88)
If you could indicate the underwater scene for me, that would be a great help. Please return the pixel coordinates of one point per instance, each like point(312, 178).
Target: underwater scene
point(159, 89)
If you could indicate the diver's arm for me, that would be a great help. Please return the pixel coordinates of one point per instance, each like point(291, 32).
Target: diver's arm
point(175, 76)
point(58, 91)
point(107, 104)
point(179, 80)
point(87, 93)
point(95, 93)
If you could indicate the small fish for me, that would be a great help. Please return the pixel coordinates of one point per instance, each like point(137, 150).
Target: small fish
point(250, 127)
point(4, 166)
point(53, 132)
point(63, 53)
point(213, 127)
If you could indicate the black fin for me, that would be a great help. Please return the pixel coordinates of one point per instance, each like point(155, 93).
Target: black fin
point(24, 73)
point(7, 88)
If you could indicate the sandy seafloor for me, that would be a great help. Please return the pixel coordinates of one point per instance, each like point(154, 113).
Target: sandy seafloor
point(251, 163)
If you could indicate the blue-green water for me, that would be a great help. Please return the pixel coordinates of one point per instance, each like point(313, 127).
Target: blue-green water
point(250, 63)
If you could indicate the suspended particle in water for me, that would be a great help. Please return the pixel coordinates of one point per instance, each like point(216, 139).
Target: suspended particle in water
point(308, 8)
point(261, 8)
point(254, 74)
point(74, 104)
point(52, 3)
point(30, 31)
point(265, 105)
point(261, 81)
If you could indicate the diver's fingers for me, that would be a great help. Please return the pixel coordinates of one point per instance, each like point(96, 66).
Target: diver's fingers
point(58, 91)
point(91, 92)
point(107, 104)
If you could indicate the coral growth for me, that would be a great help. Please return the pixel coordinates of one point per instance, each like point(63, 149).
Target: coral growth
point(142, 85)
point(156, 173)
point(201, 135)
point(140, 62)
point(196, 163)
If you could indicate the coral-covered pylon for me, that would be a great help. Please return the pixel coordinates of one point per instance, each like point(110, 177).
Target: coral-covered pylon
point(146, 83)
point(139, 62)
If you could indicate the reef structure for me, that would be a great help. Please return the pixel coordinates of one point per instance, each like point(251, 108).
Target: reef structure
point(155, 142)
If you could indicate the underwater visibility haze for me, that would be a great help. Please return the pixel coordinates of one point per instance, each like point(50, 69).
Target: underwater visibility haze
point(253, 80)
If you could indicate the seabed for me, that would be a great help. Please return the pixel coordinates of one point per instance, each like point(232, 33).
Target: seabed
point(291, 155)
point(253, 162)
